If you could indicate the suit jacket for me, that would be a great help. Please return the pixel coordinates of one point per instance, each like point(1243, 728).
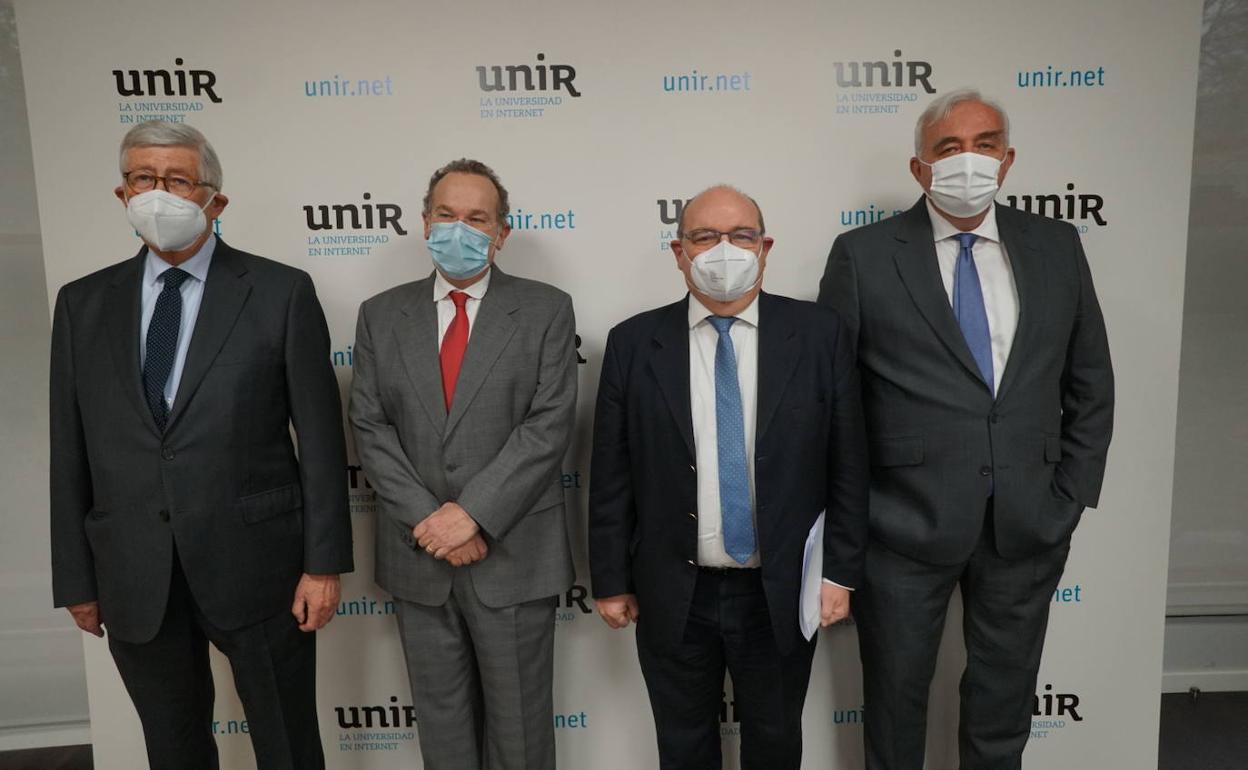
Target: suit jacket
point(940, 443)
point(222, 484)
point(497, 453)
point(809, 455)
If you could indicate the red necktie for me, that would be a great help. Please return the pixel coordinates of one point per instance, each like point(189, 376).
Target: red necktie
point(453, 346)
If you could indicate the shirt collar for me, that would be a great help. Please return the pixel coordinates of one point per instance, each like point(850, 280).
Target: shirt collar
point(698, 312)
point(197, 265)
point(442, 288)
point(942, 228)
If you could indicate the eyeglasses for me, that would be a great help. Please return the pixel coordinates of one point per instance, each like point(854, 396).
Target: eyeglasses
point(744, 237)
point(142, 181)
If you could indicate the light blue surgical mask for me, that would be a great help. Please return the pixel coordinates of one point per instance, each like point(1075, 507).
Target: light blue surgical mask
point(459, 251)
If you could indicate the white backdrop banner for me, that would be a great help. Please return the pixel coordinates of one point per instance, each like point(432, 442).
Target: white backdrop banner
point(602, 119)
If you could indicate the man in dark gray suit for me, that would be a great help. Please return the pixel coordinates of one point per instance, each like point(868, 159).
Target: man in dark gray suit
point(462, 407)
point(180, 514)
point(989, 399)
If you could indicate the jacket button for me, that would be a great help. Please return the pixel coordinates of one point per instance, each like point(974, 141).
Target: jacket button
point(693, 515)
point(985, 471)
point(691, 564)
point(451, 467)
point(164, 515)
point(167, 453)
point(992, 418)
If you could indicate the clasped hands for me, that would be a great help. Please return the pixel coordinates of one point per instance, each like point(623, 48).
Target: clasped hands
point(450, 533)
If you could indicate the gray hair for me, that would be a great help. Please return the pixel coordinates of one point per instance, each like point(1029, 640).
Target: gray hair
point(468, 166)
point(160, 133)
point(942, 105)
point(680, 222)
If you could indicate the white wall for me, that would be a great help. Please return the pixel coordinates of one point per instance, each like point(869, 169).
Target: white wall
point(610, 155)
point(43, 696)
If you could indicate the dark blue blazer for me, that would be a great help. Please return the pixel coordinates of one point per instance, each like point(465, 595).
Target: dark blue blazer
point(809, 453)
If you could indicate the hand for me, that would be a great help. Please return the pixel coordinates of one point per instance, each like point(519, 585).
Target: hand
point(474, 550)
point(618, 610)
point(316, 600)
point(833, 604)
point(87, 616)
point(444, 530)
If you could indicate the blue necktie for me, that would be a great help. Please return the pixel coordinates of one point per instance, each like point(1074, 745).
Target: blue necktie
point(737, 517)
point(968, 308)
point(162, 343)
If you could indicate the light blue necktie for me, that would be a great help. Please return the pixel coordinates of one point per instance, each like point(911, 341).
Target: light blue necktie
point(734, 481)
point(968, 308)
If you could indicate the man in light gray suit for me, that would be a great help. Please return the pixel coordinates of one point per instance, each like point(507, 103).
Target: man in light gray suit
point(462, 405)
point(989, 398)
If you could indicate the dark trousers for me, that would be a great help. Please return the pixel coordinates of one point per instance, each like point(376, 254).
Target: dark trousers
point(729, 627)
point(170, 682)
point(900, 615)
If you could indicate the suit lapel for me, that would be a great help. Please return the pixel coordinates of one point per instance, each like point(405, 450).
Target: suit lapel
point(417, 335)
point(670, 367)
point(920, 272)
point(491, 331)
point(1026, 264)
point(124, 313)
point(777, 360)
point(225, 293)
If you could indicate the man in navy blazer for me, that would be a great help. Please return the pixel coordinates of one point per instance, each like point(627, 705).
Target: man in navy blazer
point(726, 422)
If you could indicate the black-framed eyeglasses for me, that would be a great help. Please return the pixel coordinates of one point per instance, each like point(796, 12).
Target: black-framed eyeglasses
point(743, 237)
point(142, 181)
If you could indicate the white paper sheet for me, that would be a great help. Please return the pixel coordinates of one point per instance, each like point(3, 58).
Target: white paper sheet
point(812, 580)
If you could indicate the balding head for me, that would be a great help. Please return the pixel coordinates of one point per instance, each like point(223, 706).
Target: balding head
point(719, 195)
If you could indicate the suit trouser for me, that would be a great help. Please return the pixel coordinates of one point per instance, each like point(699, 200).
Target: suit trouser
point(170, 682)
point(729, 626)
point(901, 615)
point(482, 680)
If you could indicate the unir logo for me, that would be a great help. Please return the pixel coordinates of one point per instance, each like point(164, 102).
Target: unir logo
point(526, 77)
point(392, 715)
point(885, 74)
point(355, 216)
point(178, 82)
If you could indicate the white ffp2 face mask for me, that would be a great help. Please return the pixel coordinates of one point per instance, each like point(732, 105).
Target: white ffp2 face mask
point(964, 185)
point(165, 221)
point(724, 272)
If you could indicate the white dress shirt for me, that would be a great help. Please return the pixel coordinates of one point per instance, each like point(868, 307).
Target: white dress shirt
point(703, 340)
point(442, 289)
point(996, 279)
point(192, 291)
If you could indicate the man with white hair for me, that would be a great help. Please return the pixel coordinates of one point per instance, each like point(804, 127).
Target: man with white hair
point(989, 396)
point(181, 512)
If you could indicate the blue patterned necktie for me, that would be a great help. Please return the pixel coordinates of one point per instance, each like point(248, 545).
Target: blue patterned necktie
point(737, 516)
point(162, 344)
point(968, 309)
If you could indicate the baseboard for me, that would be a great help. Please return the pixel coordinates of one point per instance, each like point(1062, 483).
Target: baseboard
point(40, 736)
point(1206, 681)
point(1206, 652)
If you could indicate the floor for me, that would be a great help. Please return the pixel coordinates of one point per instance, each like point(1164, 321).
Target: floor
point(1209, 732)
